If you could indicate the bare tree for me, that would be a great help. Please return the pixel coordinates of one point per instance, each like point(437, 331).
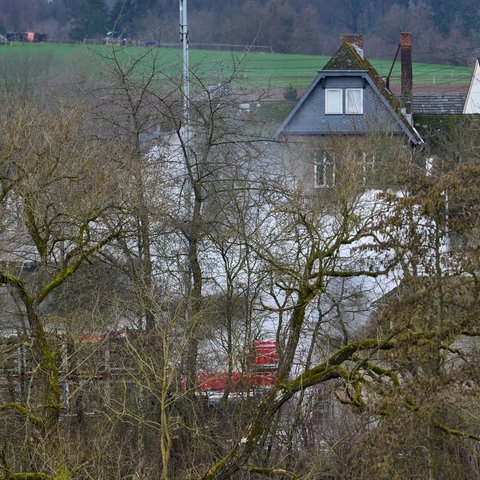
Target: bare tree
point(182, 179)
point(308, 243)
point(57, 202)
point(424, 421)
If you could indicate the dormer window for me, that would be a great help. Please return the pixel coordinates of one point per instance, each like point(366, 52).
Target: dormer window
point(333, 101)
point(354, 101)
point(336, 100)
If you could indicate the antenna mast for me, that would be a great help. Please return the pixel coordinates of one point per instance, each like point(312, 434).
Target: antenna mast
point(184, 40)
point(185, 133)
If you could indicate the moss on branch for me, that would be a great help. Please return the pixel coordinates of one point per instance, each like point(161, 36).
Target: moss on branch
point(382, 372)
point(347, 352)
point(26, 476)
point(332, 367)
point(270, 472)
point(470, 333)
point(21, 409)
point(18, 285)
point(458, 433)
point(411, 405)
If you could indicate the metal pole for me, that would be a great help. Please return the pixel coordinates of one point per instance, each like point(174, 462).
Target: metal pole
point(187, 190)
point(186, 103)
point(184, 40)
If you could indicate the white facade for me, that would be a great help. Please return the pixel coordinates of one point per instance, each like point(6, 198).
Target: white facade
point(472, 103)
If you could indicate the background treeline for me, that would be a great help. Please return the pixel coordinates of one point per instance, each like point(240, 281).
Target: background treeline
point(444, 31)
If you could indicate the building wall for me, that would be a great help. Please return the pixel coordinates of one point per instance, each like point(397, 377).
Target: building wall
point(363, 161)
point(472, 104)
point(311, 119)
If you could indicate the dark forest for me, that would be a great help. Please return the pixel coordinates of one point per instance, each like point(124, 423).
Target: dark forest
point(444, 31)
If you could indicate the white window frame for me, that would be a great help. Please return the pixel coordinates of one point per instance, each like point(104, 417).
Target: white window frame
point(333, 101)
point(368, 166)
point(324, 170)
point(354, 101)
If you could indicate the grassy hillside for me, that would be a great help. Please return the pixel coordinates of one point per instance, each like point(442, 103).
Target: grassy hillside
point(253, 70)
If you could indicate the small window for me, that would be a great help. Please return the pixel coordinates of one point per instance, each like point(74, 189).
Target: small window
point(333, 101)
point(324, 170)
point(354, 101)
point(368, 167)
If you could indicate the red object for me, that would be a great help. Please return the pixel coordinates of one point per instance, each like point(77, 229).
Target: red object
point(218, 381)
point(238, 382)
point(265, 362)
point(265, 353)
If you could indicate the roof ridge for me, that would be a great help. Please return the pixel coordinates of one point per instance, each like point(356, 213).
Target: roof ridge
point(346, 58)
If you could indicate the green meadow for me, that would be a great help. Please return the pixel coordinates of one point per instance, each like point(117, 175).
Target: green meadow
point(250, 70)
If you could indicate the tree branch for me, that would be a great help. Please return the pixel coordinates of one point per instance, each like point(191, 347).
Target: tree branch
point(458, 433)
point(270, 472)
point(21, 409)
point(26, 476)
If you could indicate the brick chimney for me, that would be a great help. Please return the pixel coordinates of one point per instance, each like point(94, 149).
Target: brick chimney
point(355, 39)
point(407, 76)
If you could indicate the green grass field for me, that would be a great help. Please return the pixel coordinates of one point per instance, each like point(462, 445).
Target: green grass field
point(253, 70)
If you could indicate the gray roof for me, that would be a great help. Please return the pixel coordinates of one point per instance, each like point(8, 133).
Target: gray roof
point(347, 63)
point(438, 103)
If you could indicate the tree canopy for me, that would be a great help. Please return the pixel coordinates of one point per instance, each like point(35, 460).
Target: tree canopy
point(443, 32)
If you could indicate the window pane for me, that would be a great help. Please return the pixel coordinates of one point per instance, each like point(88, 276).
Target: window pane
point(368, 167)
point(354, 101)
point(333, 100)
point(324, 170)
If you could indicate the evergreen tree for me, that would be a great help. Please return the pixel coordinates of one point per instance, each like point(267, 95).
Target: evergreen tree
point(60, 10)
point(89, 19)
point(127, 15)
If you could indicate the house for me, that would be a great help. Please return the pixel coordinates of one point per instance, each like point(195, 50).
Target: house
point(348, 100)
point(449, 118)
point(437, 104)
point(472, 102)
point(348, 97)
